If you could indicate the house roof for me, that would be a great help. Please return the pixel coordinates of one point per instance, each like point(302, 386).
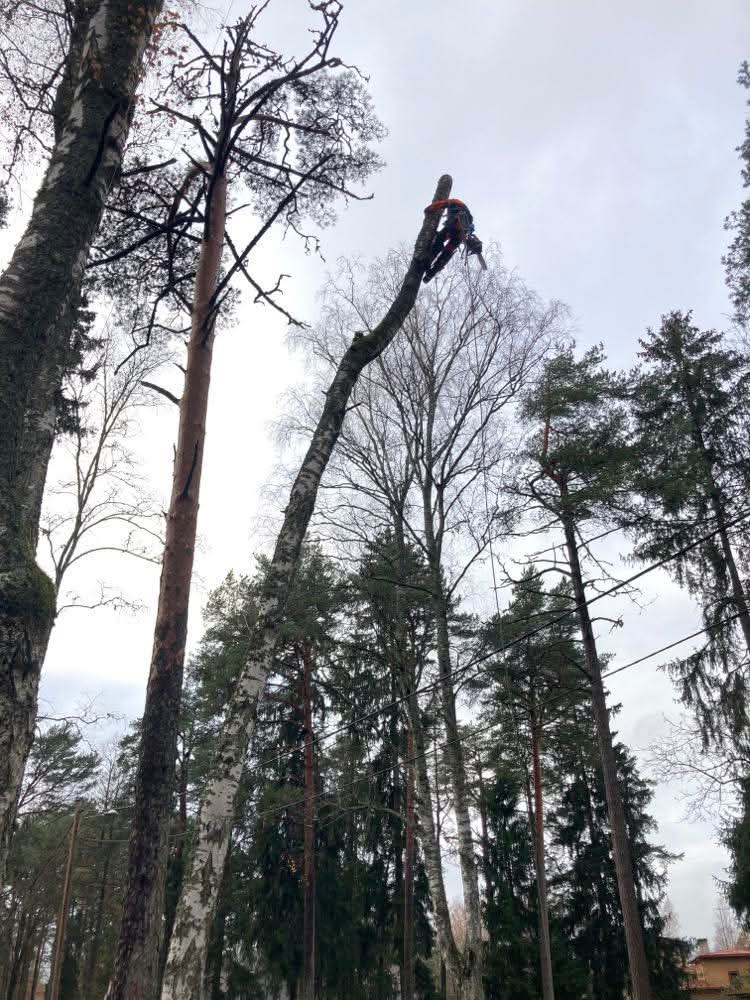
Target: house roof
point(723, 953)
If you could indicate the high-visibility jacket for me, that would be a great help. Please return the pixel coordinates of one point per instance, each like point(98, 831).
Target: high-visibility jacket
point(459, 216)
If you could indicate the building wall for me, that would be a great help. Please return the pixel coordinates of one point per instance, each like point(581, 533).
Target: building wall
point(714, 972)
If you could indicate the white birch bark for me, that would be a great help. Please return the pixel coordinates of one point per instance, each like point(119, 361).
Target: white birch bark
point(187, 954)
point(431, 849)
point(473, 947)
point(39, 293)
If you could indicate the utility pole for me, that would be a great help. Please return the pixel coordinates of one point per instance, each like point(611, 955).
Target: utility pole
point(62, 917)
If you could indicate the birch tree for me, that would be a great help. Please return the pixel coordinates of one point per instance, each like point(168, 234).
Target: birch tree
point(101, 66)
point(439, 406)
point(187, 955)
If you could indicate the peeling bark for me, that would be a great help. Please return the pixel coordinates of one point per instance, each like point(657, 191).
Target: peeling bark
point(136, 971)
point(187, 955)
point(39, 293)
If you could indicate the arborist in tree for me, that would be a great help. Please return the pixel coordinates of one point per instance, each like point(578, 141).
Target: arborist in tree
point(458, 229)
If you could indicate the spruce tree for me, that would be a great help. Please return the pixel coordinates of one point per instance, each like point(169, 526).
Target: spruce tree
point(691, 406)
point(737, 259)
point(533, 680)
point(586, 886)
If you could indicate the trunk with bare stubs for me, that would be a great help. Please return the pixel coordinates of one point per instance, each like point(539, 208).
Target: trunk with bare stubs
point(137, 968)
point(640, 986)
point(545, 948)
point(39, 295)
point(187, 954)
point(308, 874)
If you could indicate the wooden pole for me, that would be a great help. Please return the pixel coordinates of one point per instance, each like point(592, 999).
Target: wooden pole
point(62, 917)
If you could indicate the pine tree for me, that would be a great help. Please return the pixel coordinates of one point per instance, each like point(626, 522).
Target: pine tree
point(578, 474)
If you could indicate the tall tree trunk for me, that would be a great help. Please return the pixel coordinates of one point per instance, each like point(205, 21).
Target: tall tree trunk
point(187, 955)
point(483, 825)
point(640, 986)
point(454, 755)
point(27, 956)
point(472, 955)
point(545, 947)
point(430, 840)
point(93, 950)
point(407, 975)
point(308, 877)
point(215, 966)
point(136, 971)
point(37, 963)
point(16, 963)
point(39, 293)
point(58, 953)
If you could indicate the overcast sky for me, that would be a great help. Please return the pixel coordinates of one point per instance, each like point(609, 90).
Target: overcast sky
point(595, 143)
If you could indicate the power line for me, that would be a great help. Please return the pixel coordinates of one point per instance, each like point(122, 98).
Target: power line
point(466, 737)
point(459, 671)
point(481, 730)
point(671, 645)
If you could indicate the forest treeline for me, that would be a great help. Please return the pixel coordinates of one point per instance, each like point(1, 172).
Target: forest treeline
point(409, 688)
